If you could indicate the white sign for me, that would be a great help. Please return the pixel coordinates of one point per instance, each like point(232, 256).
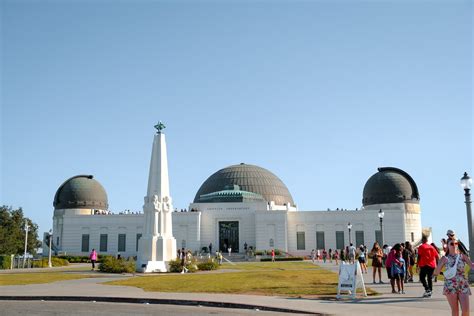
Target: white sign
point(350, 279)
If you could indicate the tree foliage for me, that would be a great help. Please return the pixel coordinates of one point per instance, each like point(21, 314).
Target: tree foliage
point(12, 232)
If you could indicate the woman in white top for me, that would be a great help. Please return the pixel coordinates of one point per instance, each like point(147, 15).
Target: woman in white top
point(456, 288)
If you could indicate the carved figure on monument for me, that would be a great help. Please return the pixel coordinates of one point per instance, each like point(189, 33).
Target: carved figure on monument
point(157, 203)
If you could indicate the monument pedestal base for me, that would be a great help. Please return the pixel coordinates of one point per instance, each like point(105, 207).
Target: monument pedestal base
point(154, 253)
point(155, 266)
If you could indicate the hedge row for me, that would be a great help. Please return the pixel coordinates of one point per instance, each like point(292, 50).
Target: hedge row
point(283, 259)
point(267, 252)
point(55, 262)
point(80, 259)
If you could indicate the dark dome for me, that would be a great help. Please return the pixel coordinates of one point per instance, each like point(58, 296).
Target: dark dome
point(81, 191)
point(390, 185)
point(249, 178)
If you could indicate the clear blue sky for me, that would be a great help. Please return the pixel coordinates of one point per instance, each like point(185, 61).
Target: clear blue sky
point(321, 93)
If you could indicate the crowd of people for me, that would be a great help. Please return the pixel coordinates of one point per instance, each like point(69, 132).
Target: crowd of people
point(401, 260)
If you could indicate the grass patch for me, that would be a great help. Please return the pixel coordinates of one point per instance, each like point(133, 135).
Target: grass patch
point(264, 278)
point(37, 278)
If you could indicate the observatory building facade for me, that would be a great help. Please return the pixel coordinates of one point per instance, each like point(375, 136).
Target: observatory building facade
point(241, 205)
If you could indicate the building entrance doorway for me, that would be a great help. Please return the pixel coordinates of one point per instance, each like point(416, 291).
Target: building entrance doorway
point(229, 236)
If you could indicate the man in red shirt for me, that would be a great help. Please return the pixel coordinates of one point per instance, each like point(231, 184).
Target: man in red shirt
point(427, 257)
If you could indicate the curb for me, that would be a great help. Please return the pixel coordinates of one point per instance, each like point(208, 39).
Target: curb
point(156, 301)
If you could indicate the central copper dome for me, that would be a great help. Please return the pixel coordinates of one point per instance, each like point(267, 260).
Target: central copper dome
point(249, 178)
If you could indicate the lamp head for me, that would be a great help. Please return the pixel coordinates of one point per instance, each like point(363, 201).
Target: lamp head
point(381, 214)
point(466, 181)
point(349, 225)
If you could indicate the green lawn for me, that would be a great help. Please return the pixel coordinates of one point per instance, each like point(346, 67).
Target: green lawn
point(265, 278)
point(38, 277)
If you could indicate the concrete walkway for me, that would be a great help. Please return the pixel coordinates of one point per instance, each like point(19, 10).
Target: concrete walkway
point(393, 304)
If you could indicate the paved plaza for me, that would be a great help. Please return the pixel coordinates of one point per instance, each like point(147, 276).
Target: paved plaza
point(90, 289)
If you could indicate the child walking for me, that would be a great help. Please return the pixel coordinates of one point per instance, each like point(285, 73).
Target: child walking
point(399, 270)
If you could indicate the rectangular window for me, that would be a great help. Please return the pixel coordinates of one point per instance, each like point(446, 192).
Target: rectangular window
point(121, 242)
point(138, 238)
point(103, 242)
point(412, 237)
point(85, 243)
point(320, 244)
point(359, 238)
point(340, 239)
point(271, 243)
point(378, 237)
point(300, 241)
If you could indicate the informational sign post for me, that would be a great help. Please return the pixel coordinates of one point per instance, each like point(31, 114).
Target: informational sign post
point(350, 279)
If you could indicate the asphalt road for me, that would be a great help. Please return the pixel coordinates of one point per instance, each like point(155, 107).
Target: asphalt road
point(116, 309)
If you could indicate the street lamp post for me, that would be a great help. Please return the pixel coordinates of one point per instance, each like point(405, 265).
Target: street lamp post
point(50, 233)
point(466, 183)
point(381, 215)
point(349, 227)
point(26, 241)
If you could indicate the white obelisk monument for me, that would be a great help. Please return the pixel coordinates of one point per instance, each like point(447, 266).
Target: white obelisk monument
point(157, 246)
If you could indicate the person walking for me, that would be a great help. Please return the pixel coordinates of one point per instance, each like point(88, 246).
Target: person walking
point(313, 255)
point(229, 250)
point(377, 255)
point(362, 259)
point(183, 261)
point(427, 257)
point(325, 254)
point(273, 255)
point(330, 255)
point(93, 258)
point(456, 288)
point(210, 248)
point(352, 254)
point(219, 257)
point(435, 278)
point(409, 261)
point(388, 264)
point(336, 256)
point(398, 271)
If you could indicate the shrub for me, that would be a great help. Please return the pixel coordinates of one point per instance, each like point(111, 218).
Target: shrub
point(175, 265)
point(111, 264)
point(5, 261)
point(208, 265)
point(283, 259)
point(258, 252)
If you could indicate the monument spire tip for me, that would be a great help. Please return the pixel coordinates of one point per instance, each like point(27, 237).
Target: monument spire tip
point(159, 127)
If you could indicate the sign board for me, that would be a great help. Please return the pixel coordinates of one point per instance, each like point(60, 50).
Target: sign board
point(350, 279)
